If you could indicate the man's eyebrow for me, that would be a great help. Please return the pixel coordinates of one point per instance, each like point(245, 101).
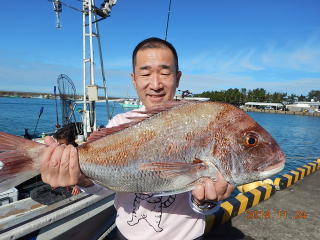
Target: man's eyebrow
point(166, 66)
point(144, 67)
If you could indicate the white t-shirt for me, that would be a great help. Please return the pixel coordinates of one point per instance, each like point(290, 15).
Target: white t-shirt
point(142, 216)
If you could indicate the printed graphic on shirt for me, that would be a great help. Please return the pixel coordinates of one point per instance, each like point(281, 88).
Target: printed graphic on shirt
point(154, 205)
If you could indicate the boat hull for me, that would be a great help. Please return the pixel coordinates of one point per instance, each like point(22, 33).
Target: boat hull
point(131, 105)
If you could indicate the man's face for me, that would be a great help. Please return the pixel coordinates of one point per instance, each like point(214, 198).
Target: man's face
point(155, 77)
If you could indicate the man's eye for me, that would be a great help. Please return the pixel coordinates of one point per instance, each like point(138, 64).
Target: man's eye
point(144, 73)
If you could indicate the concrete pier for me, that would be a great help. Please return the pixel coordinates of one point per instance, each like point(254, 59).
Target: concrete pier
point(292, 213)
point(315, 114)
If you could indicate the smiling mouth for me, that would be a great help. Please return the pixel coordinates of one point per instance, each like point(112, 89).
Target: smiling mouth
point(155, 97)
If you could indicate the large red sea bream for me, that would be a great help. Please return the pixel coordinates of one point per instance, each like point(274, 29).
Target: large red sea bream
point(170, 149)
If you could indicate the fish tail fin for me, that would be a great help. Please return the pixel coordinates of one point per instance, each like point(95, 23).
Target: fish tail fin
point(19, 160)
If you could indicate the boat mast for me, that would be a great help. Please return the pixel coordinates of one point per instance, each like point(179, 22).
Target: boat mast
point(90, 88)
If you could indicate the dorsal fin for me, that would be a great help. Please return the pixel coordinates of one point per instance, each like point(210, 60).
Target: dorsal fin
point(154, 110)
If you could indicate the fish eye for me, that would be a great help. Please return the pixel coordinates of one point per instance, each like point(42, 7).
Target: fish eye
point(251, 140)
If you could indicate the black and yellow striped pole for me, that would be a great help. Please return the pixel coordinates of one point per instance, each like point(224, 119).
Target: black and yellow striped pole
point(242, 202)
point(286, 180)
point(238, 205)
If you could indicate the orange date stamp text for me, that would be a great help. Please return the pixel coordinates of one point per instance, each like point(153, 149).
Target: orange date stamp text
point(277, 215)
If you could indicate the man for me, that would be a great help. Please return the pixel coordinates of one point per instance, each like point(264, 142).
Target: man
point(142, 216)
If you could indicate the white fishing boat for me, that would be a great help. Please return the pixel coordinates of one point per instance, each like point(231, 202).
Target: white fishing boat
point(131, 103)
point(186, 95)
point(82, 216)
point(37, 97)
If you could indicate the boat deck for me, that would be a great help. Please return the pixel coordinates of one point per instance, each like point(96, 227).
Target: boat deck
point(71, 218)
point(289, 223)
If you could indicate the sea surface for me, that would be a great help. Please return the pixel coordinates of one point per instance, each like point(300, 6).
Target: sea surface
point(298, 136)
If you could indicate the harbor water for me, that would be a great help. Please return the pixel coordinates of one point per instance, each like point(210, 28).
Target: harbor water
point(298, 136)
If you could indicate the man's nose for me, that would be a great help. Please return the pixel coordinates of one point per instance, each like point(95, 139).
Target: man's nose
point(155, 82)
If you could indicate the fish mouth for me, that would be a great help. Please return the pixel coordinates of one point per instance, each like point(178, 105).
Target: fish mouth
point(272, 170)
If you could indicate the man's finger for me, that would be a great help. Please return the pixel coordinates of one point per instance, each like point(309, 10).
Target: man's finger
point(54, 165)
point(210, 190)
point(224, 188)
point(49, 140)
point(44, 163)
point(230, 189)
point(198, 193)
point(74, 168)
point(221, 185)
point(64, 167)
point(45, 159)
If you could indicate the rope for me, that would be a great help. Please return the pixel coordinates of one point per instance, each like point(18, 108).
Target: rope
point(69, 6)
point(107, 232)
point(168, 21)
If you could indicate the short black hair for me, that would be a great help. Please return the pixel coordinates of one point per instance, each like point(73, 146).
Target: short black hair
point(66, 132)
point(154, 42)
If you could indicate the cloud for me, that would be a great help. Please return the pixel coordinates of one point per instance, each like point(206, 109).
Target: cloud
point(294, 55)
point(291, 67)
point(119, 63)
point(200, 83)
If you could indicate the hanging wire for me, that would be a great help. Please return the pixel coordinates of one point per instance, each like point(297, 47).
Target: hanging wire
point(168, 21)
point(67, 5)
point(72, 7)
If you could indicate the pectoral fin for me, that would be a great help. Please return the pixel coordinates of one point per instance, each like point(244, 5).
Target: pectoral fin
point(175, 169)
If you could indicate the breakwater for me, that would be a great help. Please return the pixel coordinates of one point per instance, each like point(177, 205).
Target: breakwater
point(315, 114)
point(43, 95)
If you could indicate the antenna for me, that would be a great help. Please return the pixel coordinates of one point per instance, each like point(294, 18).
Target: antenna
point(168, 22)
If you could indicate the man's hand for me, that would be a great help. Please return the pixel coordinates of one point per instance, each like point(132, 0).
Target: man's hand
point(75, 191)
point(59, 166)
point(212, 191)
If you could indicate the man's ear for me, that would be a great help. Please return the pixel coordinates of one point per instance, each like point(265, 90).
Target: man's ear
point(179, 74)
point(133, 81)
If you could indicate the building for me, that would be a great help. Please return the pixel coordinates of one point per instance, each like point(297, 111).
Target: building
point(304, 106)
point(262, 105)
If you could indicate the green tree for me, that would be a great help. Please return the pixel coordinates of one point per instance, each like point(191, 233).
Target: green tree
point(292, 98)
point(302, 98)
point(243, 96)
point(277, 97)
point(259, 94)
point(315, 95)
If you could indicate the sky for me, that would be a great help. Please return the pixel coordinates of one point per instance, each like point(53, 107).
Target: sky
point(222, 44)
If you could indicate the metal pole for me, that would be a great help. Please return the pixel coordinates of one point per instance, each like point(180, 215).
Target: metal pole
point(84, 71)
point(102, 68)
point(91, 44)
point(92, 80)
